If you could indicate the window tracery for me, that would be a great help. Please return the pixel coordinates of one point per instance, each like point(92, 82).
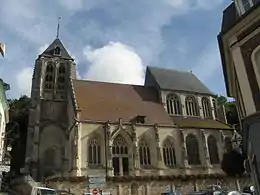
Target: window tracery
point(215, 108)
point(206, 107)
point(119, 146)
point(192, 146)
point(191, 106)
point(169, 153)
point(48, 82)
point(173, 104)
point(144, 152)
point(94, 152)
point(213, 149)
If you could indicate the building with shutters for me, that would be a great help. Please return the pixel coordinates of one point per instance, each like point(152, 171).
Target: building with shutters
point(168, 133)
point(239, 43)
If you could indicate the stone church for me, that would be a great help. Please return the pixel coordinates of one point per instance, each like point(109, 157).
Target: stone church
point(168, 133)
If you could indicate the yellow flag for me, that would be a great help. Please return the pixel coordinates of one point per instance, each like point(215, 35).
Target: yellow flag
point(2, 49)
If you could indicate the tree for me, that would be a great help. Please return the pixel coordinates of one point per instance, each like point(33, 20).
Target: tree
point(233, 163)
point(221, 100)
point(17, 131)
point(230, 109)
point(231, 113)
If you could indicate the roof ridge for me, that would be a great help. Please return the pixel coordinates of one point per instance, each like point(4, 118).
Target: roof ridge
point(170, 69)
point(106, 82)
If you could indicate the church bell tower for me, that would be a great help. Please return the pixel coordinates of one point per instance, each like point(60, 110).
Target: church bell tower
point(46, 150)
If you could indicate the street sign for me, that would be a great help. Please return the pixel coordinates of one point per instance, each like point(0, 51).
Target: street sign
point(101, 185)
point(95, 191)
point(94, 180)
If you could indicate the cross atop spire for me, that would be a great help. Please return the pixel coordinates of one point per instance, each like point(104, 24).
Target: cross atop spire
point(58, 27)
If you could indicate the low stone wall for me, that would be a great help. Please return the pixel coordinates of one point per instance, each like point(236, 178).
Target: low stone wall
point(150, 187)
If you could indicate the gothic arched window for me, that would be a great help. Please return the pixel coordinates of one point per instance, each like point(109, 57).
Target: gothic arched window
point(192, 146)
point(49, 68)
point(120, 146)
point(48, 82)
point(169, 153)
point(62, 69)
point(94, 152)
point(191, 106)
point(61, 83)
point(213, 150)
point(206, 107)
point(144, 152)
point(215, 108)
point(173, 104)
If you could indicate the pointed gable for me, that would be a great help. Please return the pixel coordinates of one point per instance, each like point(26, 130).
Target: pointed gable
point(63, 52)
point(169, 79)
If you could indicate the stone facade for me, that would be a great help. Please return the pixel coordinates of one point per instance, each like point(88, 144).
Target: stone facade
point(151, 187)
point(240, 51)
point(60, 143)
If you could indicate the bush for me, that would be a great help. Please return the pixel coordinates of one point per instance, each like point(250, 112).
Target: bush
point(233, 163)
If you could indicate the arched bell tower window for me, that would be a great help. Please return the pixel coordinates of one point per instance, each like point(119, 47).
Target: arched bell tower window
point(61, 77)
point(48, 82)
point(57, 51)
point(62, 69)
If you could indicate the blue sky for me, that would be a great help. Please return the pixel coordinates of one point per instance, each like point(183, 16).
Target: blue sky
point(113, 40)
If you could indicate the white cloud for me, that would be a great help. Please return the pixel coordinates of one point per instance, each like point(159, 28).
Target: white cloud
point(115, 62)
point(208, 64)
point(32, 23)
point(43, 48)
point(24, 81)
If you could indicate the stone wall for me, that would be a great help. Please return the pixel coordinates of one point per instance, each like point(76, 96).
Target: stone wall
point(150, 187)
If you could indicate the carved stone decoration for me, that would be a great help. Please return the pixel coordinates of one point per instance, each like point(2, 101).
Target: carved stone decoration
point(133, 136)
point(156, 133)
point(109, 154)
point(184, 149)
point(159, 153)
point(222, 136)
point(205, 146)
point(204, 143)
point(236, 140)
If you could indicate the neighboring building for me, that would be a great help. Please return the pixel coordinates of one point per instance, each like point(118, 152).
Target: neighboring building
point(4, 119)
point(143, 139)
point(239, 43)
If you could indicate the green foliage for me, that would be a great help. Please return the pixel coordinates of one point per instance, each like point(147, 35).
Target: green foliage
point(221, 100)
point(230, 109)
point(233, 163)
point(17, 130)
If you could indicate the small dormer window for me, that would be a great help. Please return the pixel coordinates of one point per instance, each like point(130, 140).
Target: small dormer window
point(244, 5)
point(57, 51)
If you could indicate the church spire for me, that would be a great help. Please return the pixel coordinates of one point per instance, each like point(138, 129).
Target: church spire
point(58, 27)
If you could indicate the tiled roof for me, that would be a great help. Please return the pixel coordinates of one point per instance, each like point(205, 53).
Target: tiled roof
point(194, 122)
point(170, 79)
point(99, 101)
